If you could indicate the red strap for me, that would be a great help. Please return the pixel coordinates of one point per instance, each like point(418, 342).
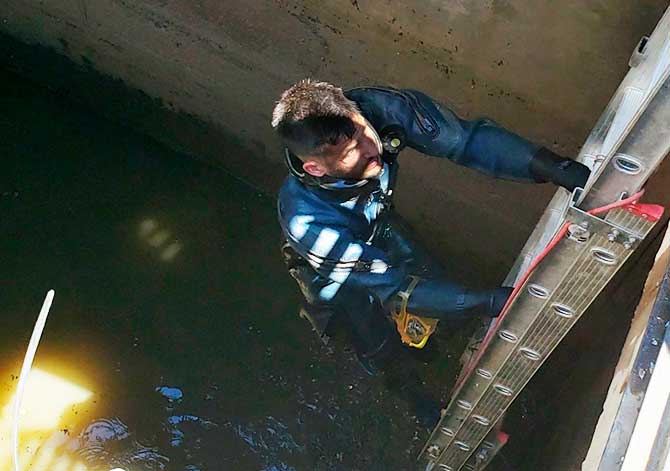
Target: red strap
point(651, 211)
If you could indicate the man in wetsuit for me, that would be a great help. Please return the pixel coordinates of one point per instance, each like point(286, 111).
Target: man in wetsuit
point(343, 248)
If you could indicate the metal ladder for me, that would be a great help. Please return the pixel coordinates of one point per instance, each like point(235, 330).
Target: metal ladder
point(579, 244)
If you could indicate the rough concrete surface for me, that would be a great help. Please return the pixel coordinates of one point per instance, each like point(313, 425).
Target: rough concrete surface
point(543, 69)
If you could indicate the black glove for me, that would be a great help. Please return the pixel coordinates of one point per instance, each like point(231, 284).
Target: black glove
point(497, 300)
point(548, 166)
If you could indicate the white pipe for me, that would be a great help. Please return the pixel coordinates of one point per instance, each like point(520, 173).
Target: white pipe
point(25, 371)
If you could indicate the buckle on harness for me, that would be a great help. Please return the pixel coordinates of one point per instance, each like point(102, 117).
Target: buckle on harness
point(414, 330)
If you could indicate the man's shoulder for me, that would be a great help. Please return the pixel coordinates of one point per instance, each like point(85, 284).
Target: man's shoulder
point(288, 186)
point(293, 191)
point(364, 91)
point(301, 211)
point(296, 199)
point(373, 95)
point(382, 105)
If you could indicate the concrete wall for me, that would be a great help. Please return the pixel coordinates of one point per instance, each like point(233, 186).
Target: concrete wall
point(544, 69)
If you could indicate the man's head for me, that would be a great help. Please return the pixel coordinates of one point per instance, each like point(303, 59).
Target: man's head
point(327, 132)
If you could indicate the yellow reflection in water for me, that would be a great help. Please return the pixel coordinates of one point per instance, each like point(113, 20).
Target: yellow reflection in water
point(46, 399)
point(160, 239)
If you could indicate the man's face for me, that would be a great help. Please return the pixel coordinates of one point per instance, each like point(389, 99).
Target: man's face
point(357, 158)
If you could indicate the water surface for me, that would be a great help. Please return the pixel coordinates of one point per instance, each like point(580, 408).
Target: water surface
point(172, 309)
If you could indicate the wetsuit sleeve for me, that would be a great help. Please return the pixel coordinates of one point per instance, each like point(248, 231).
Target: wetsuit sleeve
point(442, 299)
point(435, 130)
point(347, 264)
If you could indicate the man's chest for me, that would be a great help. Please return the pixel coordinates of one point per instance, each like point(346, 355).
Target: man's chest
point(367, 209)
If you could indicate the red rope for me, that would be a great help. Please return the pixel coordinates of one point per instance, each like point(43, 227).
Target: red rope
point(559, 235)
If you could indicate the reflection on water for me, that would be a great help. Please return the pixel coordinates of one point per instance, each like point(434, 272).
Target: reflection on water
point(109, 442)
point(266, 437)
point(49, 439)
point(47, 442)
point(46, 400)
point(152, 234)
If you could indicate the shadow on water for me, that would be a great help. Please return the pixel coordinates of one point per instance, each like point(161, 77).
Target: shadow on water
point(172, 308)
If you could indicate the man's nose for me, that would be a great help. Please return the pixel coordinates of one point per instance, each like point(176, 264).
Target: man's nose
point(370, 149)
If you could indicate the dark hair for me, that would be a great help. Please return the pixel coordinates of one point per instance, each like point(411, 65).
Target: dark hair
point(311, 114)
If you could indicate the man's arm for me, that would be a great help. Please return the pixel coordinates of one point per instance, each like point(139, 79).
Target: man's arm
point(442, 299)
point(350, 264)
point(478, 144)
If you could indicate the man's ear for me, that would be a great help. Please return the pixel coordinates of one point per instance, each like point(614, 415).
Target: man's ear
point(314, 168)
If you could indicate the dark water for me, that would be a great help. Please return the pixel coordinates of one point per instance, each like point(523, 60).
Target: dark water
point(172, 307)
